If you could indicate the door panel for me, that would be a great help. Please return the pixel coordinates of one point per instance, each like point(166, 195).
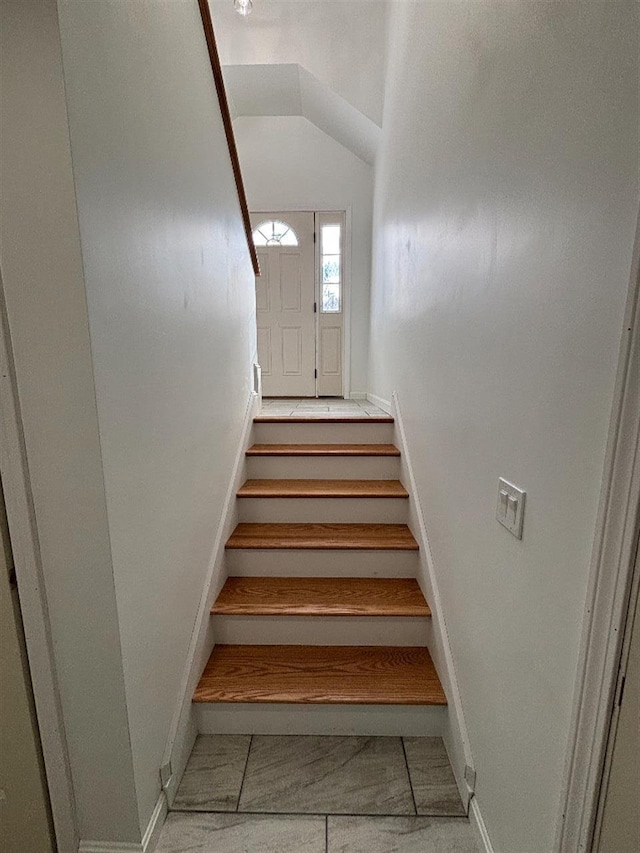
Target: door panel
point(331, 351)
point(284, 305)
point(290, 282)
point(291, 350)
point(263, 293)
point(264, 350)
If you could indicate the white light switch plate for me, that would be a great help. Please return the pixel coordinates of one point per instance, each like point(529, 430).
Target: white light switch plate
point(510, 508)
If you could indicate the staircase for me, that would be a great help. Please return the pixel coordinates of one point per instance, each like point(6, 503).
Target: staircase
point(321, 608)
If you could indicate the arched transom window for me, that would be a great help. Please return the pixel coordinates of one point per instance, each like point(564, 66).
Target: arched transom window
point(274, 232)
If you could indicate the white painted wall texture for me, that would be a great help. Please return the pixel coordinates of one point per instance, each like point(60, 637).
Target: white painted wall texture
point(47, 312)
point(133, 328)
point(288, 163)
point(171, 303)
point(341, 43)
point(504, 214)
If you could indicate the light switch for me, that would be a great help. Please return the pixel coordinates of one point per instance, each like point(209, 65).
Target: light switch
point(510, 509)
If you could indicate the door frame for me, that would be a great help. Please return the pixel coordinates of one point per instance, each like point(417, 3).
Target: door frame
point(632, 623)
point(609, 592)
point(346, 282)
point(33, 601)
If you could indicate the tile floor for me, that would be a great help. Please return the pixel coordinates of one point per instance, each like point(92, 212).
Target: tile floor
point(307, 794)
point(282, 407)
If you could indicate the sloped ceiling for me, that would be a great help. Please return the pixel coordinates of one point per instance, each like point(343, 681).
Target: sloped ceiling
point(341, 43)
point(289, 90)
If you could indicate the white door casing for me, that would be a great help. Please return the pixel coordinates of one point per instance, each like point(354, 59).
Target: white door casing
point(25, 820)
point(618, 821)
point(285, 295)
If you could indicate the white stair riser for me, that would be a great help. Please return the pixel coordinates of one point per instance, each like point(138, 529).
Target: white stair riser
point(324, 510)
point(332, 433)
point(321, 630)
point(265, 718)
point(323, 467)
point(303, 563)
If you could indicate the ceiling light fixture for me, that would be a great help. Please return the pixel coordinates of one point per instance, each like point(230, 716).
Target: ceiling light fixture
point(243, 7)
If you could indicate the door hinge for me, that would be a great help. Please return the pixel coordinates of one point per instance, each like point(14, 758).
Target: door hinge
point(315, 373)
point(314, 236)
point(315, 307)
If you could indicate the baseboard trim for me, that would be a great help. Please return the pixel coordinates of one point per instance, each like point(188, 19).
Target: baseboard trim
point(380, 402)
point(183, 730)
point(479, 827)
point(154, 827)
point(108, 847)
point(455, 735)
point(358, 395)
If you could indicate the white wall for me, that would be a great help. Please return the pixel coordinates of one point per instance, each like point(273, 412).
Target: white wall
point(46, 307)
point(133, 337)
point(330, 38)
point(505, 208)
point(290, 164)
point(171, 302)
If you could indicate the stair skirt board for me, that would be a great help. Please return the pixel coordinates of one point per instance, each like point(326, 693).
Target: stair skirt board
point(322, 510)
point(321, 630)
point(337, 564)
point(323, 433)
point(323, 467)
point(290, 719)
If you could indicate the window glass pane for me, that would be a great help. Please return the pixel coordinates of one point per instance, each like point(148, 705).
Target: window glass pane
point(274, 232)
point(331, 268)
point(330, 298)
point(289, 238)
point(330, 239)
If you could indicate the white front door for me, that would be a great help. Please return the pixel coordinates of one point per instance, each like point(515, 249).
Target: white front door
point(285, 297)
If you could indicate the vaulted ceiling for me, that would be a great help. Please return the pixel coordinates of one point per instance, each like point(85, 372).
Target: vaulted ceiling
point(323, 59)
point(287, 90)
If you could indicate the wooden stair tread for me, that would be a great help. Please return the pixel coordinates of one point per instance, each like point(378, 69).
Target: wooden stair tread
point(362, 537)
point(367, 675)
point(322, 489)
point(257, 596)
point(323, 450)
point(322, 419)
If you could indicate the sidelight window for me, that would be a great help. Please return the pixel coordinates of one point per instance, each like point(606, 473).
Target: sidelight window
point(331, 268)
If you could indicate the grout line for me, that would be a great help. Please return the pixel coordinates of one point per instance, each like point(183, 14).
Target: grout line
point(244, 773)
point(406, 764)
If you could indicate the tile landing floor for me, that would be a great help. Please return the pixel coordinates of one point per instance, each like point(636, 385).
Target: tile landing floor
point(308, 407)
point(308, 794)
